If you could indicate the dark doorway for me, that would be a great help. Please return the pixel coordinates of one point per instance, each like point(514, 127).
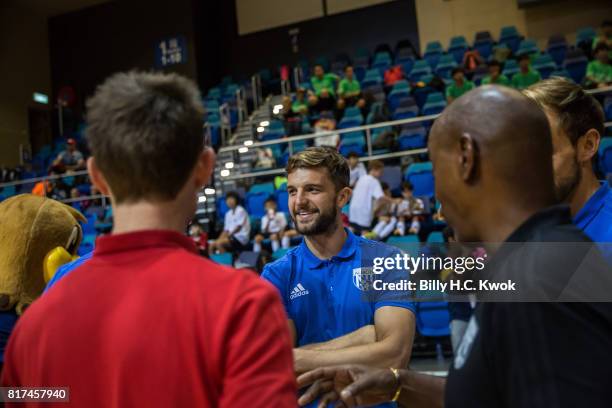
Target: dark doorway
point(39, 126)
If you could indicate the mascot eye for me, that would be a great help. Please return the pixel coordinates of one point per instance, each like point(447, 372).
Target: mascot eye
point(75, 239)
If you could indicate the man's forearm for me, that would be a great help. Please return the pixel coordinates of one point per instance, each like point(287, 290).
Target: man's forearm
point(361, 336)
point(421, 390)
point(378, 354)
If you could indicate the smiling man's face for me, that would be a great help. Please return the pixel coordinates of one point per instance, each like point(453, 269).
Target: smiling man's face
point(312, 200)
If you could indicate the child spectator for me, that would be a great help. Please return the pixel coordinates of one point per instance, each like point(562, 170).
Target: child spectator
point(526, 76)
point(495, 76)
point(236, 228)
point(599, 71)
point(357, 169)
point(409, 211)
point(273, 225)
point(199, 237)
point(386, 219)
point(459, 86)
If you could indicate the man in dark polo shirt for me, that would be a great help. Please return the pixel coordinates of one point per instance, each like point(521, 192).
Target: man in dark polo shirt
point(491, 151)
point(147, 322)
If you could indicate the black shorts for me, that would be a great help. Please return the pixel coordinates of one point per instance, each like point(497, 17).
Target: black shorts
point(358, 229)
point(236, 245)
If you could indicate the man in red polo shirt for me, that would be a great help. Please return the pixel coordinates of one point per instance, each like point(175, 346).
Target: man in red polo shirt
point(146, 322)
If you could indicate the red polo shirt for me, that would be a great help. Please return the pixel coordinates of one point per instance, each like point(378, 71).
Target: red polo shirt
point(148, 323)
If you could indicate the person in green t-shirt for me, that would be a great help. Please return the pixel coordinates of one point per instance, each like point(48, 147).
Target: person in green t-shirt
point(605, 37)
point(526, 76)
point(459, 86)
point(599, 71)
point(495, 76)
point(324, 86)
point(300, 105)
point(349, 90)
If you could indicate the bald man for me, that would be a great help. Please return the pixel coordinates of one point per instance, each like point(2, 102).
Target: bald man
point(491, 150)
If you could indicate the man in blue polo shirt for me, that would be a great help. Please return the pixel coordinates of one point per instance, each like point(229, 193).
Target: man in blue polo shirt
point(325, 281)
point(577, 123)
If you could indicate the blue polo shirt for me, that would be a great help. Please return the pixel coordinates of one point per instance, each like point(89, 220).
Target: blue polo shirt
point(326, 299)
point(595, 219)
point(66, 269)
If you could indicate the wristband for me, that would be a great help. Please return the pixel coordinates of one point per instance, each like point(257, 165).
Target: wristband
point(396, 374)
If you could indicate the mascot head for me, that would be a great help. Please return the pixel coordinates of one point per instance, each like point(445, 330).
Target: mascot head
point(37, 235)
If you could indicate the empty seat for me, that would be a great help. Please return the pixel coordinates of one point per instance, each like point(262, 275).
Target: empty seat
point(528, 46)
point(223, 259)
point(510, 36)
point(255, 203)
point(421, 177)
point(392, 175)
point(545, 65)
point(511, 67)
point(412, 138)
point(262, 188)
point(576, 63)
point(605, 155)
point(446, 64)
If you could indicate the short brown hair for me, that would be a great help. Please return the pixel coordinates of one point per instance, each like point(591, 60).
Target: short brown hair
point(325, 157)
point(577, 110)
point(145, 133)
point(376, 165)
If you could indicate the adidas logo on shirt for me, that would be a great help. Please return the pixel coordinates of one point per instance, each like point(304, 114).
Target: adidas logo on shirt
point(298, 291)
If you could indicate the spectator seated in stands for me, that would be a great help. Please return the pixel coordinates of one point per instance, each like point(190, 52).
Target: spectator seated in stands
point(55, 188)
point(70, 159)
point(367, 197)
point(357, 169)
point(495, 76)
point(409, 211)
point(264, 158)
point(605, 37)
point(459, 86)
point(325, 125)
point(599, 71)
point(294, 111)
point(236, 228)
point(273, 225)
point(385, 216)
point(349, 90)
point(324, 86)
point(392, 75)
point(526, 75)
point(199, 237)
point(471, 60)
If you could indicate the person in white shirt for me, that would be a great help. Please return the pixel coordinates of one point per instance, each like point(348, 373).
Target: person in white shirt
point(273, 225)
point(357, 169)
point(367, 197)
point(236, 227)
point(386, 219)
point(409, 211)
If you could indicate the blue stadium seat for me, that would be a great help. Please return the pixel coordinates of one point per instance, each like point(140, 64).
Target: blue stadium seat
point(262, 188)
point(279, 253)
point(608, 107)
point(395, 96)
point(421, 177)
point(585, 35)
point(557, 48)
point(605, 155)
point(445, 66)
point(223, 259)
point(528, 46)
point(9, 191)
point(561, 73)
point(405, 112)
point(511, 67)
point(576, 63)
point(435, 237)
point(412, 138)
point(433, 319)
point(392, 175)
point(346, 148)
point(545, 65)
point(282, 197)
point(420, 68)
point(408, 243)
point(510, 36)
point(347, 123)
point(255, 203)
point(352, 111)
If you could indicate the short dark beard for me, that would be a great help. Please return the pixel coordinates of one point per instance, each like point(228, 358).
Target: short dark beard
point(325, 224)
point(565, 189)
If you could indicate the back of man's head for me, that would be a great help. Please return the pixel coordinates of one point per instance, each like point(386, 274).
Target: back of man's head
point(576, 110)
point(145, 134)
point(491, 146)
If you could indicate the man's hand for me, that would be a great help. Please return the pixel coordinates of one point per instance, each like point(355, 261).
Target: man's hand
point(355, 385)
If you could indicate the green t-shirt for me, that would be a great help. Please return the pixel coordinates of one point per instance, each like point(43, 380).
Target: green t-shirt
point(349, 88)
point(327, 82)
point(522, 81)
point(456, 91)
point(599, 72)
point(501, 80)
point(298, 106)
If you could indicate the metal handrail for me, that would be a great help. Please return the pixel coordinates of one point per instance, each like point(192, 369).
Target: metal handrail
point(331, 132)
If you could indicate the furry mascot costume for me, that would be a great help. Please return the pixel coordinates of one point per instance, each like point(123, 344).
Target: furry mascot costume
point(37, 236)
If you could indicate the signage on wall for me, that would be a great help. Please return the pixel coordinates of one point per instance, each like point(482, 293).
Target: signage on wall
point(171, 51)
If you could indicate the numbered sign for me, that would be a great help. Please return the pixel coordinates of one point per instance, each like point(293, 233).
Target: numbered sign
point(171, 51)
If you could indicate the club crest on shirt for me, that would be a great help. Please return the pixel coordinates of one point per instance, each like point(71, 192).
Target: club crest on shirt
point(363, 278)
point(467, 341)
